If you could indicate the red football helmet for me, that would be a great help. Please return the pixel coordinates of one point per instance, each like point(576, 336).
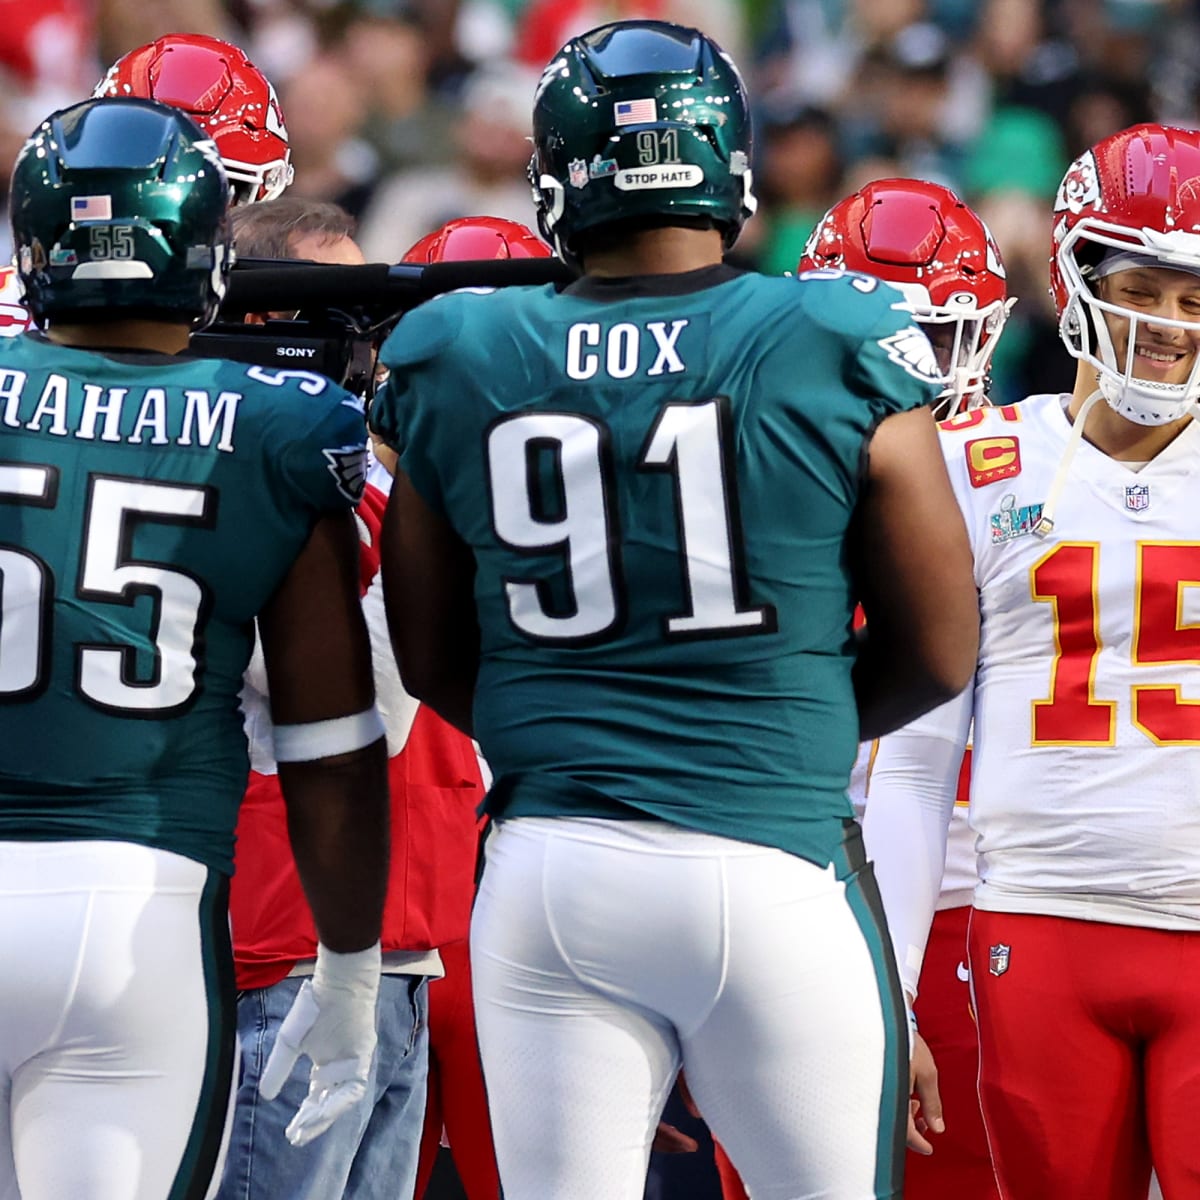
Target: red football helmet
point(15, 318)
point(225, 94)
point(469, 238)
point(1132, 200)
point(922, 238)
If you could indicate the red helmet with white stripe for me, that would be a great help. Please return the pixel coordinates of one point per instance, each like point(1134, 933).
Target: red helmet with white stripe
point(15, 318)
point(225, 94)
point(1132, 200)
point(470, 238)
point(922, 238)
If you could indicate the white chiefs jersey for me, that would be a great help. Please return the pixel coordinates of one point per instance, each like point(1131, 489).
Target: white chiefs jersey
point(961, 873)
point(1085, 792)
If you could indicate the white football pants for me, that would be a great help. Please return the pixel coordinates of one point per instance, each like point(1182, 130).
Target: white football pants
point(116, 1049)
point(607, 954)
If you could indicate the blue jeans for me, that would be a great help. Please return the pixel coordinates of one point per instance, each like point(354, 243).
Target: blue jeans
point(367, 1155)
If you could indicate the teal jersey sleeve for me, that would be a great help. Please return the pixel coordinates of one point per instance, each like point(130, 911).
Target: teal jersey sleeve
point(425, 331)
point(420, 388)
point(396, 416)
point(315, 444)
point(889, 362)
point(896, 368)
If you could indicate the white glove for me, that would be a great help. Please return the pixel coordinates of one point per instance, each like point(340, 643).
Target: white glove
point(332, 1021)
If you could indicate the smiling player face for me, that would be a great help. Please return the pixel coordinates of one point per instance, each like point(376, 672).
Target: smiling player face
point(1162, 353)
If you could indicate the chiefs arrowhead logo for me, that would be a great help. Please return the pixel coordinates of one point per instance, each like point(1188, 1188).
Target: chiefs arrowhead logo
point(1080, 187)
point(274, 120)
point(348, 466)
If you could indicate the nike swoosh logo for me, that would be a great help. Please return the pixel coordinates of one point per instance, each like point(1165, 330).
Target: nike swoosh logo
point(963, 973)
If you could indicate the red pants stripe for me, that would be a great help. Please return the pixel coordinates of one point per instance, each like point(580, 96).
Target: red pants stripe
point(457, 1100)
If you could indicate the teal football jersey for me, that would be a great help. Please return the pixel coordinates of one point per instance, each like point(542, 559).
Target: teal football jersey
point(657, 477)
point(149, 507)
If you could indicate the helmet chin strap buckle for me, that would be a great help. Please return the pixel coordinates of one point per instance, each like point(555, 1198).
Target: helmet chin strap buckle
point(1045, 524)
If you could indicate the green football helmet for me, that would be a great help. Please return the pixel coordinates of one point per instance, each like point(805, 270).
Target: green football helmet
point(640, 119)
point(120, 206)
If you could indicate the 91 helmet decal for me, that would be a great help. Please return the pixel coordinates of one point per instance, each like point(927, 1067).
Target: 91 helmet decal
point(1133, 200)
point(635, 120)
point(121, 205)
point(225, 94)
point(923, 239)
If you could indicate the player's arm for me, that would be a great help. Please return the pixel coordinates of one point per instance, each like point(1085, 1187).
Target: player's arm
point(332, 759)
point(329, 739)
point(914, 781)
point(429, 589)
point(915, 577)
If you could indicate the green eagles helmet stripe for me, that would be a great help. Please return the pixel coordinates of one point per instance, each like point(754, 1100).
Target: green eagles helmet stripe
point(121, 204)
point(640, 119)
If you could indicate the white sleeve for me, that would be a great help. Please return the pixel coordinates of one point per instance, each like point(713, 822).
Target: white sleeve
point(910, 800)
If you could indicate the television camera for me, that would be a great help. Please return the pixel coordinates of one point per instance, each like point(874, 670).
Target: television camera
point(340, 315)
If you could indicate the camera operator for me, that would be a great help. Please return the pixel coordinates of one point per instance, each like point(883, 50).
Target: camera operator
point(292, 227)
point(435, 788)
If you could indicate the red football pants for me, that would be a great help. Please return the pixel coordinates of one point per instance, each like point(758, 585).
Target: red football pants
point(960, 1167)
point(456, 1098)
point(1089, 1056)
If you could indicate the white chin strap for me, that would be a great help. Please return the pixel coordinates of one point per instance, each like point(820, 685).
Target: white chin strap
point(1045, 525)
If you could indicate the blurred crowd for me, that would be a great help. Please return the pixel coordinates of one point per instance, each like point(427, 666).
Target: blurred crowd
point(412, 112)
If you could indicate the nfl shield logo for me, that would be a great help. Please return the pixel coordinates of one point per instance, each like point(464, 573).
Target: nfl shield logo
point(998, 958)
point(577, 173)
point(1137, 496)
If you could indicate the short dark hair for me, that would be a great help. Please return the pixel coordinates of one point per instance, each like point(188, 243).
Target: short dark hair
point(266, 229)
